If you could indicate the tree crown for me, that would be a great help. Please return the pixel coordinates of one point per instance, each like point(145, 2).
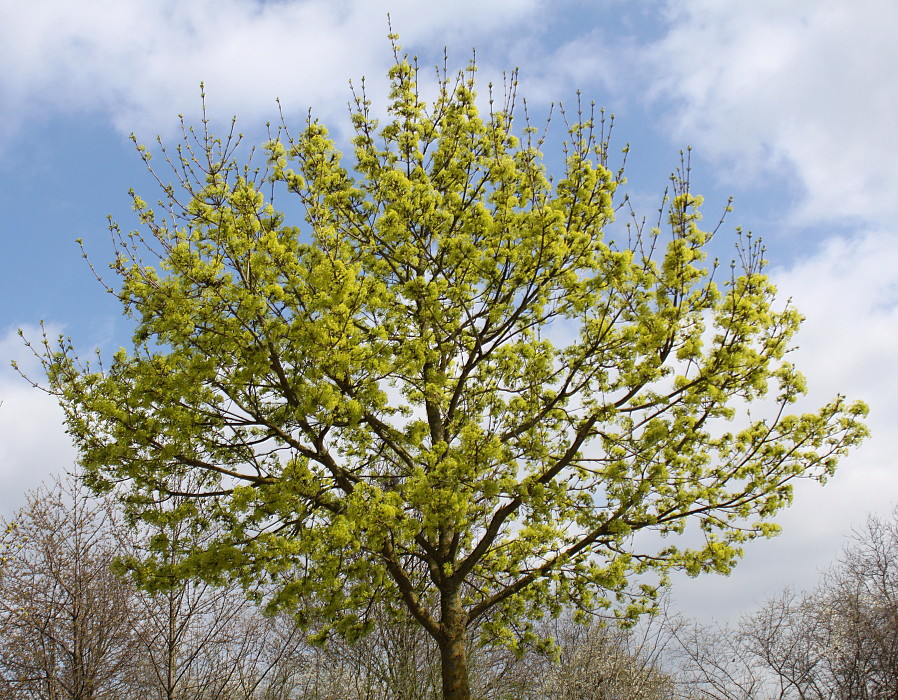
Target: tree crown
point(448, 388)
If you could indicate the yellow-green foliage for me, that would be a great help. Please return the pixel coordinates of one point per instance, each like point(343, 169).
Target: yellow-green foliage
point(447, 383)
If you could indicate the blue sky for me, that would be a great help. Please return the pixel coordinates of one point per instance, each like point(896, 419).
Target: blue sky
point(790, 107)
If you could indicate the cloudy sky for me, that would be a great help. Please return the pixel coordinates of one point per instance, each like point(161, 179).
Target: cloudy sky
point(790, 106)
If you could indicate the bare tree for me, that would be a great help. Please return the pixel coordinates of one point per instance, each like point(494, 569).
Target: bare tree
point(271, 658)
point(605, 662)
point(840, 641)
point(860, 613)
point(72, 629)
point(399, 662)
point(193, 641)
point(200, 641)
point(66, 622)
point(790, 637)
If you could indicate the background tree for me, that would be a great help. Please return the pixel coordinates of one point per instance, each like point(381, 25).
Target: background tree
point(182, 622)
point(448, 391)
point(600, 662)
point(66, 622)
point(771, 654)
point(845, 631)
point(197, 640)
point(858, 603)
point(837, 641)
point(399, 660)
point(70, 627)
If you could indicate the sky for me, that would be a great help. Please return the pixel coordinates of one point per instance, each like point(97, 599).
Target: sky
point(789, 106)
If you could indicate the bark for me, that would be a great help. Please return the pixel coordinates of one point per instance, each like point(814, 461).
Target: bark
point(453, 647)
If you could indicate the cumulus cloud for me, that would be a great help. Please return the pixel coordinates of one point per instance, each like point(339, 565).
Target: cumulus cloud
point(810, 85)
point(847, 345)
point(140, 64)
point(33, 443)
point(806, 89)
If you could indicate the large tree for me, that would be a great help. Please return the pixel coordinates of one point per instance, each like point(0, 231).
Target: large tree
point(449, 389)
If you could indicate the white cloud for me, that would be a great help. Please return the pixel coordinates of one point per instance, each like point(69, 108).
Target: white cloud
point(847, 345)
point(806, 88)
point(33, 443)
point(806, 83)
point(140, 64)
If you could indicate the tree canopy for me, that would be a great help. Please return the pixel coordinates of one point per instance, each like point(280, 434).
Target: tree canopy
point(449, 390)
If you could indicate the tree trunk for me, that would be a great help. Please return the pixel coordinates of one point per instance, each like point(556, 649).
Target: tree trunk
point(453, 647)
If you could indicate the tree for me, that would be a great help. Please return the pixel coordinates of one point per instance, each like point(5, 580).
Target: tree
point(839, 640)
point(66, 622)
point(860, 601)
point(449, 390)
point(773, 653)
point(71, 628)
point(712, 663)
point(201, 641)
point(605, 663)
point(196, 640)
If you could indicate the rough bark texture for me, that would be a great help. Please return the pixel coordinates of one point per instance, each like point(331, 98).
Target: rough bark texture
point(453, 649)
